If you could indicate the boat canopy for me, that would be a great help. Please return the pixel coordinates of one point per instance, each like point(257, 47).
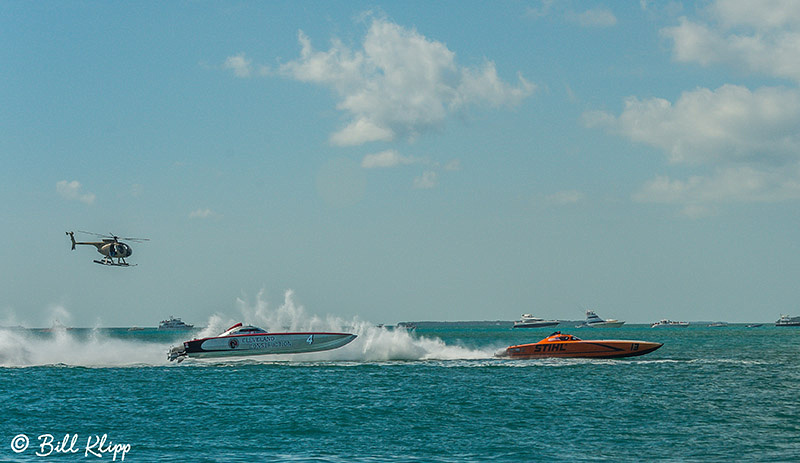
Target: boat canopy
point(557, 336)
point(243, 329)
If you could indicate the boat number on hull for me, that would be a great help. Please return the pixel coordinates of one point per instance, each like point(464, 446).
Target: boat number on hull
point(310, 339)
point(635, 346)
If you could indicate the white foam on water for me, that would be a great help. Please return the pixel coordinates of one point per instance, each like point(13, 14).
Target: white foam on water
point(372, 344)
point(20, 348)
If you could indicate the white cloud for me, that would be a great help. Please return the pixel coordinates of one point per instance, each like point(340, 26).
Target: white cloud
point(386, 159)
point(359, 132)
point(427, 180)
point(762, 36)
point(751, 140)
point(727, 184)
point(747, 141)
point(72, 191)
point(399, 83)
point(730, 123)
point(597, 17)
point(241, 66)
point(201, 214)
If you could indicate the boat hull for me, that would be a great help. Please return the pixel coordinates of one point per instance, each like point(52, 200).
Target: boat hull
point(582, 349)
point(606, 324)
point(535, 324)
point(265, 344)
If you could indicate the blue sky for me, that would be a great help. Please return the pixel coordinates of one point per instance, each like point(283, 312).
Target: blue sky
point(393, 161)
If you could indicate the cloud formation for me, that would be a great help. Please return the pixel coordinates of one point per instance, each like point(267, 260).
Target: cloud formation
point(730, 123)
point(399, 83)
point(427, 180)
point(746, 141)
point(387, 159)
point(201, 214)
point(243, 66)
point(72, 192)
point(762, 37)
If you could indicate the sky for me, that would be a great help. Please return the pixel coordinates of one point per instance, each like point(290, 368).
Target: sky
point(398, 161)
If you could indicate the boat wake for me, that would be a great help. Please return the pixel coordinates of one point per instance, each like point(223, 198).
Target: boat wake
point(21, 348)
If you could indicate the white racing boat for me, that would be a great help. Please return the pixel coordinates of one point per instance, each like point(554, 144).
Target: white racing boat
point(240, 340)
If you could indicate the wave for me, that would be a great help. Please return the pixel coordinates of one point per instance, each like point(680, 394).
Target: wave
point(60, 347)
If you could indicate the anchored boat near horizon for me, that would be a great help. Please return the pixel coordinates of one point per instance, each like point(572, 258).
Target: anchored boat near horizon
point(669, 323)
point(786, 320)
point(173, 323)
point(529, 321)
point(594, 321)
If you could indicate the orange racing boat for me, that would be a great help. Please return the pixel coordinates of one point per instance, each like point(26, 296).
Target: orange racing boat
point(567, 345)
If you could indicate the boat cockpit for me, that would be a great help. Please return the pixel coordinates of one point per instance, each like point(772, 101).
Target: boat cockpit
point(557, 336)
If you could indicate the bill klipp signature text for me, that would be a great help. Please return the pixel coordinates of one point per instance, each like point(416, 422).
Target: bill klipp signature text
point(96, 445)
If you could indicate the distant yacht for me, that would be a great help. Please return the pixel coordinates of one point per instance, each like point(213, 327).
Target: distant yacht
point(666, 322)
point(592, 320)
point(529, 321)
point(786, 320)
point(173, 323)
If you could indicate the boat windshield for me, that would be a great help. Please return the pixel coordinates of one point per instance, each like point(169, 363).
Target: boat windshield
point(562, 337)
point(246, 329)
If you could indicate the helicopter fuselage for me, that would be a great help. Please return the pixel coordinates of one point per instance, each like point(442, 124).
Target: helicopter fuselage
point(111, 248)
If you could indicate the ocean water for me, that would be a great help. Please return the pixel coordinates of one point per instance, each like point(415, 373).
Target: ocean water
point(435, 394)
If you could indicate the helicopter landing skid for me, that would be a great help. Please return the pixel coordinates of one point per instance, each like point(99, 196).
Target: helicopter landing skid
point(114, 264)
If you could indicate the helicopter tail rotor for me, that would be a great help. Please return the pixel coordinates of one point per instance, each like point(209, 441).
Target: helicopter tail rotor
point(72, 237)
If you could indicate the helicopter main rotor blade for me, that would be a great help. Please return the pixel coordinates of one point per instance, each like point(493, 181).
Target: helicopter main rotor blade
point(95, 234)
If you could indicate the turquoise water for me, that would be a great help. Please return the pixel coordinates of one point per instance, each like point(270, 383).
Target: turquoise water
point(434, 395)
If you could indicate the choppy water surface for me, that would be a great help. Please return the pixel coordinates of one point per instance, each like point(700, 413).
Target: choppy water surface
point(435, 394)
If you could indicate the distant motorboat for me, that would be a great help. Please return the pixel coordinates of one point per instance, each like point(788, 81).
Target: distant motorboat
point(754, 325)
point(529, 321)
point(786, 320)
point(594, 321)
point(240, 340)
point(718, 324)
point(670, 323)
point(173, 323)
point(135, 328)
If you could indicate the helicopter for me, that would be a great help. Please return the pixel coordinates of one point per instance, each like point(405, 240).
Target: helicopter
point(110, 247)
